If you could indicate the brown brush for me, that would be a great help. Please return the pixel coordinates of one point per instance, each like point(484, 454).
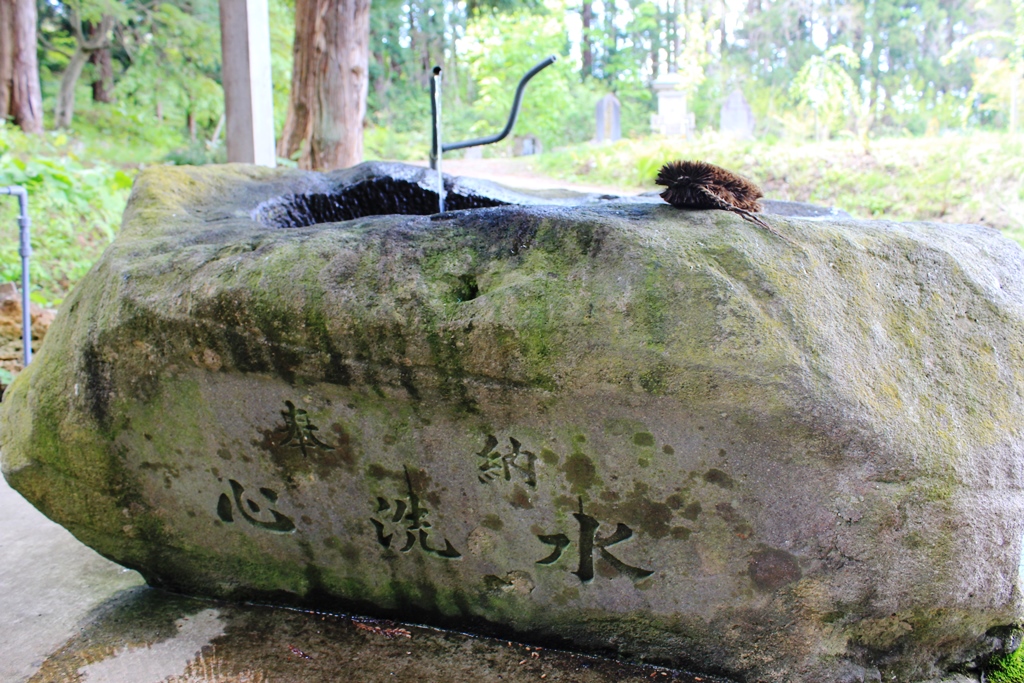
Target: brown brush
point(700, 185)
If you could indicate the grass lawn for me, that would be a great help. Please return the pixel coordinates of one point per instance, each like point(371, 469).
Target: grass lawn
point(975, 178)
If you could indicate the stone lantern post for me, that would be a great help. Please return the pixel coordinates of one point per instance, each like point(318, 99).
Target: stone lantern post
point(673, 117)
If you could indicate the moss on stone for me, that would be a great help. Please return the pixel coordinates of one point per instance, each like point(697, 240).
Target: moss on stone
point(1008, 668)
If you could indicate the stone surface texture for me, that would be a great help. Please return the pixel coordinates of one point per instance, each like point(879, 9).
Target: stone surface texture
point(665, 435)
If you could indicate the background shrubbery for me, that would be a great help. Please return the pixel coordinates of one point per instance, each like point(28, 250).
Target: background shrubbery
point(977, 178)
point(75, 207)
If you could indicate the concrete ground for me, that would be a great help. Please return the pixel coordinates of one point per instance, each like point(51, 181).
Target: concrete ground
point(72, 616)
point(519, 173)
point(49, 583)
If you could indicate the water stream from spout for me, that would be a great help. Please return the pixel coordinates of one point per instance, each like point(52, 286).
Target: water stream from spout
point(437, 137)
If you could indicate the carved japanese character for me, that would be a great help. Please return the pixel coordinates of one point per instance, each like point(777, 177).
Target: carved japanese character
point(495, 464)
point(588, 544)
point(407, 517)
point(248, 508)
point(301, 432)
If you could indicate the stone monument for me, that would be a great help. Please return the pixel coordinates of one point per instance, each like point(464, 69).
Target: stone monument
point(608, 116)
point(673, 117)
point(603, 422)
point(526, 145)
point(737, 119)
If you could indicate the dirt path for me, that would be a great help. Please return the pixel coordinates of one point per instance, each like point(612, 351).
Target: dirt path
point(519, 173)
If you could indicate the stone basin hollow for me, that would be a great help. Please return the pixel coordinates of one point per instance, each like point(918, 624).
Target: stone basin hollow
point(377, 196)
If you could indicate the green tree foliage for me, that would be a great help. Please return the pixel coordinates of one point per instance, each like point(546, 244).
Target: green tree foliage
point(899, 44)
point(997, 80)
point(879, 66)
point(176, 66)
point(825, 86)
point(76, 208)
point(907, 65)
point(101, 16)
point(498, 59)
point(166, 64)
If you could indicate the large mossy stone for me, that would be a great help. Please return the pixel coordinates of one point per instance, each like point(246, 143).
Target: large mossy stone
point(662, 434)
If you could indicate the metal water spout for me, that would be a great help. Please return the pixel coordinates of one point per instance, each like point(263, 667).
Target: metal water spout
point(437, 147)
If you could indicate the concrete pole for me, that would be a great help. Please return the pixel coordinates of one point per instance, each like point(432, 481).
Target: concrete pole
point(248, 92)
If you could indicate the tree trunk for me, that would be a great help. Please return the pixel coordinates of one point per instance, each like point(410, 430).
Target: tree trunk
point(84, 49)
point(655, 55)
point(588, 45)
point(1014, 83)
point(308, 43)
point(677, 40)
point(330, 79)
point(215, 138)
point(65, 111)
point(612, 39)
point(190, 119)
point(6, 56)
point(343, 73)
point(103, 86)
point(453, 69)
point(24, 98)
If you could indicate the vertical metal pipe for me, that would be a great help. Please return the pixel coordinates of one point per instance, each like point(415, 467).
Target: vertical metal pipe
point(435, 123)
point(25, 251)
point(436, 144)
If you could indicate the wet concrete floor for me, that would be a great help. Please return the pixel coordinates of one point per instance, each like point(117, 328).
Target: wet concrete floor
point(72, 616)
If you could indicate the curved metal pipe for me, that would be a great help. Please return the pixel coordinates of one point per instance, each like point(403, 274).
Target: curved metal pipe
point(512, 116)
point(25, 251)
